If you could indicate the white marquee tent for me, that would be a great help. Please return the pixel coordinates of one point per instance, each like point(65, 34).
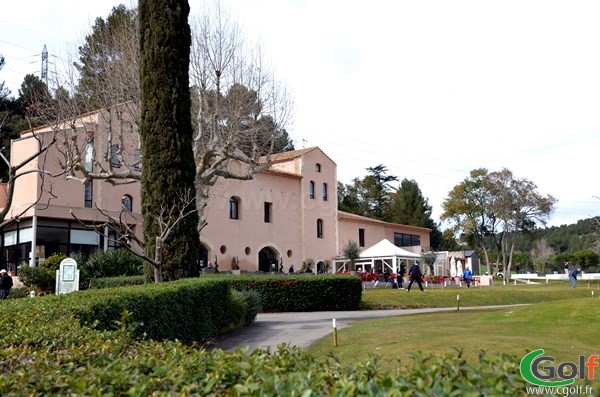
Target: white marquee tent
point(380, 257)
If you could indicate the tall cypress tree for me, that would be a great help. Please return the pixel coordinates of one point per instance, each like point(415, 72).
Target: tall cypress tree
point(168, 167)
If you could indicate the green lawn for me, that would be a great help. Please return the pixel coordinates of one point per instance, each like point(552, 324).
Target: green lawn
point(387, 298)
point(561, 320)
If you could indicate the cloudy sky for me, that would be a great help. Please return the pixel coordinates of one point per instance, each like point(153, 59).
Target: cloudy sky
point(430, 89)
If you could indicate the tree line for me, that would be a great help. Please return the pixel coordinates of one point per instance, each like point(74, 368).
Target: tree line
point(501, 216)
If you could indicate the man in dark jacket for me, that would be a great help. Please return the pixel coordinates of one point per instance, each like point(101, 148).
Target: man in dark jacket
point(6, 284)
point(415, 275)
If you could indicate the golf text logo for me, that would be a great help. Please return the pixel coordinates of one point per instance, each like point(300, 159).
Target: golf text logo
point(534, 372)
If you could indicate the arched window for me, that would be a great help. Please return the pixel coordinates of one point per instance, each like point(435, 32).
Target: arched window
point(319, 228)
point(234, 208)
point(324, 192)
point(127, 202)
point(311, 189)
point(318, 167)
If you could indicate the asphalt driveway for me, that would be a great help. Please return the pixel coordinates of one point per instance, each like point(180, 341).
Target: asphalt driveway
point(302, 329)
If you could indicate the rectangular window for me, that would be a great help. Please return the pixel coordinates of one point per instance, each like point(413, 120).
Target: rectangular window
point(87, 237)
point(268, 212)
point(126, 126)
point(233, 208)
point(88, 195)
point(361, 237)
point(114, 156)
point(137, 158)
point(406, 240)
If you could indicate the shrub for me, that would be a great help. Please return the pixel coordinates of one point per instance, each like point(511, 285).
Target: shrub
point(110, 264)
point(112, 282)
point(303, 293)
point(52, 263)
point(38, 279)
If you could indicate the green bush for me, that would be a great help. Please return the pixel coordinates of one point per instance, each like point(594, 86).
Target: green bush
point(302, 292)
point(45, 351)
point(16, 293)
point(110, 264)
point(111, 282)
point(38, 279)
point(191, 310)
point(52, 263)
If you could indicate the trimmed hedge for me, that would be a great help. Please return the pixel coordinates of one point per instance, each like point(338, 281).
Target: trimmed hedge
point(190, 310)
point(46, 351)
point(301, 293)
point(111, 282)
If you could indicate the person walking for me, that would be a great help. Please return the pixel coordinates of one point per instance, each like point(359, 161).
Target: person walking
point(6, 283)
point(467, 275)
point(573, 276)
point(415, 275)
point(400, 276)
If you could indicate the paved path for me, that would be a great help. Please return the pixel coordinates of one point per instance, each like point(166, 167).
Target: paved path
point(302, 329)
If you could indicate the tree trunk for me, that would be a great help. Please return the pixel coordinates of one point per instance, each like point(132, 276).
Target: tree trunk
point(158, 261)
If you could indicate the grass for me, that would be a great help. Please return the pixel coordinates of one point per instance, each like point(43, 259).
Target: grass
point(561, 320)
point(387, 298)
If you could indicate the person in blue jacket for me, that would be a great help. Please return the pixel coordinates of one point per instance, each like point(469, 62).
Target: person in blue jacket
point(573, 276)
point(467, 275)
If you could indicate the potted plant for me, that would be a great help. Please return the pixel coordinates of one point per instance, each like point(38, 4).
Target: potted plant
point(352, 252)
point(307, 266)
point(235, 265)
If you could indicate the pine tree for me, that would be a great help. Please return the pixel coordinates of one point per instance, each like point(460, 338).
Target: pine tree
point(168, 168)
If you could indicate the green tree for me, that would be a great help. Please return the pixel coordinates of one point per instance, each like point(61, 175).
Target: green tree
point(166, 132)
point(377, 191)
point(468, 208)
point(108, 61)
point(4, 92)
point(369, 196)
point(519, 207)
point(408, 207)
point(36, 101)
point(350, 198)
point(352, 252)
point(487, 205)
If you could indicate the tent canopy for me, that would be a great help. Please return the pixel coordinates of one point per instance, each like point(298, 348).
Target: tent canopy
point(385, 248)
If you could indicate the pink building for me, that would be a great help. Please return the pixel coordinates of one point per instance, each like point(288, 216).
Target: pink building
point(285, 216)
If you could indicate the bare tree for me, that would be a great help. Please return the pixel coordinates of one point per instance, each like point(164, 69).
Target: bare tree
point(123, 222)
point(541, 255)
point(240, 107)
point(17, 172)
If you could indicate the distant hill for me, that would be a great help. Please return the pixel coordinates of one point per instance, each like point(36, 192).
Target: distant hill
point(565, 238)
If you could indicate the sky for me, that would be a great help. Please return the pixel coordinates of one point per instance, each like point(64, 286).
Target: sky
point(430, 89)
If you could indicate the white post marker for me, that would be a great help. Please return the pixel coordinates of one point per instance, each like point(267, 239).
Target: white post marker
point(457, 302)
point(334, 334)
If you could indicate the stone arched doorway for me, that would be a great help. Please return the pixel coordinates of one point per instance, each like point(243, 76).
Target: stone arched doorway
point(320, 267)
point(266, 258)
point(203, 257)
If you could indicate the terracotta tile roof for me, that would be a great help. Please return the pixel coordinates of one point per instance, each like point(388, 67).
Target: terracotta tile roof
point(286, 156)
point(283, 173)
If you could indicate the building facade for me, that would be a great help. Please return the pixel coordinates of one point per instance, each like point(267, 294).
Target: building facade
point(284, 216)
